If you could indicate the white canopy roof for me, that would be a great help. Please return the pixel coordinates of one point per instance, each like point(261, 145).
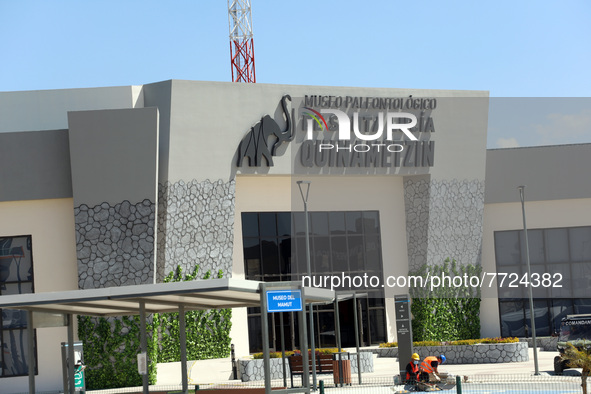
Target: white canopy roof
point(158, 298)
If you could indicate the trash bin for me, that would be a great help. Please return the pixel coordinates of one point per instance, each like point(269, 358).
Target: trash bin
point(341, 364)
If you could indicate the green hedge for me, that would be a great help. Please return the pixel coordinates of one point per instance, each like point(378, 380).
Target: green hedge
point(446, 313)
point(455, 343)
point(111, 345)
point(208, 331)
point(110, 351)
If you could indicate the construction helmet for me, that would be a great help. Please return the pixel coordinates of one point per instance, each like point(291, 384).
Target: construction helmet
point(415, 356)
point(442, 357)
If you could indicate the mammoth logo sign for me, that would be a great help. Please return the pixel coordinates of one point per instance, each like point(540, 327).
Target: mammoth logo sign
point(255, 144)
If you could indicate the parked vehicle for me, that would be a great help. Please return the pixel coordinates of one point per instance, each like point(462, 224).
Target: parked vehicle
point(574, 329)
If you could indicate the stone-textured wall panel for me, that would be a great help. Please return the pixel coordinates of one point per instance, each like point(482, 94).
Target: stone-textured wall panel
point(416, 202)
point(469, 354)
point(252, 370)
point(195, 226)
point(443, 220)
point(115, 244)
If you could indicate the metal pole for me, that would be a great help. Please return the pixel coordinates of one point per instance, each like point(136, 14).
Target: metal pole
point(309, 269)
point(31, 349)
point(282, 331)
point(531, 301)
point(71, 361)
point(265, 335)
point(183, 344)
point(355, 314)
point(338, 337)
point(304, 348)
point(144, 346)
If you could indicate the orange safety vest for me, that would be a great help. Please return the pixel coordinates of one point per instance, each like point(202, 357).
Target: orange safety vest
point(426, 364)
point(415, 370)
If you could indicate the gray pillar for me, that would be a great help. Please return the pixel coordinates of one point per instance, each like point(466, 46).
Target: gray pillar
point(265, 334)
point(144, 346)
point(355, 314)
point(31, 350)
point(282, 331)
point(71, 361)
point(183, 345)
point(304, 347)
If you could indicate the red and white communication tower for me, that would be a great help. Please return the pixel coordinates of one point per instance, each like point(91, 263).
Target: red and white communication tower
point(241, 41)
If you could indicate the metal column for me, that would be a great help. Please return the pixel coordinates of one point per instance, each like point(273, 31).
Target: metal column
point(71, 361)
point(183, 345)
point(144, 346)
point(265, 334)
point(31, 350)
point(357, 336)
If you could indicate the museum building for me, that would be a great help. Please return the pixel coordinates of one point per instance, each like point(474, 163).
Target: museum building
point(115, 186)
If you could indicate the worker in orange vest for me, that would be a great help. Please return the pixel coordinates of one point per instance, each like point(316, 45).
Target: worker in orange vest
point(428, 368)
point(412, 369)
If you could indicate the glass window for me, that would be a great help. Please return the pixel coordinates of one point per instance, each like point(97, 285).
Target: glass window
point(16, 277)
point(339, 254)
point(340, 242)
point(356, 254)
point(542, 318)
point(377, 325)
point(268, 224)
point(336, 223)
point(353, 222)
point(250, 224)
point(299, 223)
point(508, 282)
point(285, 255)
point(371, 223)
point(270, 256)
point(535, 239)
point(564, 278)
point(284, 224)
point(252, 256)
point(581, 280)
point(582, 305)
point(321, 255)
point(560, 309)
point(556, 245)
point(507, 247)
point(12, 318)
point(319, 223)
point(373, 262)
point(512, 318)
point(580, 243)
point(558, 277)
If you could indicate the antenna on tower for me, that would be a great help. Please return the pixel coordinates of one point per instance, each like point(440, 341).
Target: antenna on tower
point(241, 41)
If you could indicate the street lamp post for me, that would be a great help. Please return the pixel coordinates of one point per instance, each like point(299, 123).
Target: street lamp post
point(531, 300)
point(309, 270)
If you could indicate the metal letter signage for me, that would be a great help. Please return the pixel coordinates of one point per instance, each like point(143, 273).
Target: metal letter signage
point(284, 301)
point(254, 146)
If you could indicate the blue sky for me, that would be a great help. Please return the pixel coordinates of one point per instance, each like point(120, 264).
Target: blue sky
point(517, 49)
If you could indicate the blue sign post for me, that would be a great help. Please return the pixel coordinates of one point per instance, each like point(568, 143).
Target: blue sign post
point(284, 301)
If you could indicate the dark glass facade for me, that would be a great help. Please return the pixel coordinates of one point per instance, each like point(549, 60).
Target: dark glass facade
point(16, 277)
point(559, 256)
point(340, 242)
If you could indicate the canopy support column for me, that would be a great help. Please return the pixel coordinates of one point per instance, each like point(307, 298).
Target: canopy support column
point(71, 362)
point(31, 350)
point(144, 346)
point(183, 345)
point(355, 314)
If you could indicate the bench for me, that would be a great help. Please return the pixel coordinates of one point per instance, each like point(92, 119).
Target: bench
point(324, 365)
